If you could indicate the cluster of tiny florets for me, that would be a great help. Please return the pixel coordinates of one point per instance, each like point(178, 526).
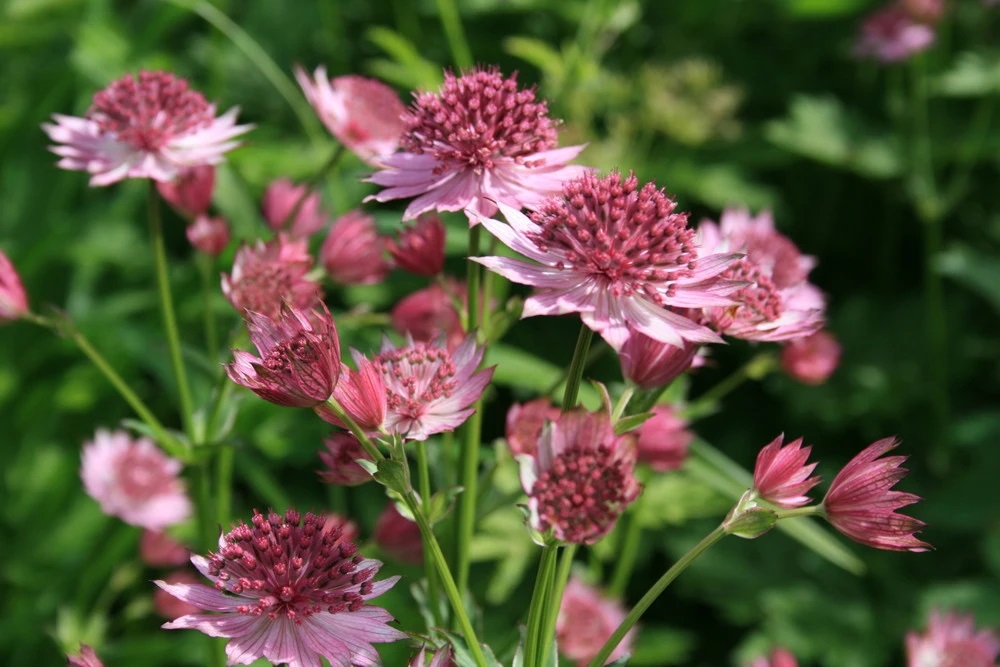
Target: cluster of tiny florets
point(417, 375)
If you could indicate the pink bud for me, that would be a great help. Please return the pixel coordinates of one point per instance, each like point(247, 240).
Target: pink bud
point(398, 537)
point(430, 312)
point(813, 359)
point(650, 364)
point(190, 194)
point(280, 199)
point(420, 248)
point(782, 474)
point(663, 440)
point(158, 549)
point(13, 300)
point(343, 449)
point(352, 252)
point(209, 235)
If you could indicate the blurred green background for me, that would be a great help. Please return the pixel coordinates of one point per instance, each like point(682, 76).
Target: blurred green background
point(887, 174)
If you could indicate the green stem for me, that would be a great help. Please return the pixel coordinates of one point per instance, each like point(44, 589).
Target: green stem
point(203, 500)
point(575, 374)
point(595, 353)
point(423, 471)
point(536, 609)
point(225, 458)
point(330, 163)
point(208, 292)
point(628, 552)
point(366, 443)
point(466, 518)
point(453, 32)
point(661, 585)
point(756, 368)
point(472, 282)
point(554, 602)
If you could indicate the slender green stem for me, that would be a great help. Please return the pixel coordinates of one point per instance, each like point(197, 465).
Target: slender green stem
point(628, 552)
point(575, 374)
point(424, 473)
point(453, 32)
point(536, 609)
point(554, 601)
point(595, 353)
point(661, 585)
point(209, 288)
point(466, 518)
point(203, 500)
point(330, 163)
point(366, 443)
point(485, 315)
point(472, 282)
point(756, 368)
point(225, 457)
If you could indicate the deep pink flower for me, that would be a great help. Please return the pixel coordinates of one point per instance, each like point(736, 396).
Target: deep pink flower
point(364, 114)
point(150, 126)
point(398, 537)
point(190, 193)
point(861, 505)
point(586, 620)
point(662, 440)
point(430, 389)
point(525, 422)
point(86, 658)
point(951, 640)
point(420, 247)
point(890, 35)
point(133, 480)
point(478, 140)
point(618, 255)
point(581, 478)
point(429, 313)
point(779, 658)
point(280, 199)
point(208, 234)
point(158, 549)
point(166, 605)
point(352, 252)
point(343, 449)
point(813, 359)
point(291, 591)
point(362, 395)
point(299, 362)
point(649, 364)
point(13, 300)
point(265, 275)
point(443, 657)
point(782, 476)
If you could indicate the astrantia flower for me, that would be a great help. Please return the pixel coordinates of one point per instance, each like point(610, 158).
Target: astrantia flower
point(299, 362)
point(443, 657)
point(343, 449)
point(265, 275)
point(133, 480)
point(280, 199)
point(190, 193)
point(649, 364)
point(209, 234)
point(951, 640)
point(813, 359)
point(150, 126)
point(779, 657)
point(618, 255)
point(13, 300)
point(86, 658)
point(429, 313)
point(352, 252)
point(290, 590)
point(525, 422)
point(420, 248)
point(364, 114)
point(398, 536)
point(586, 620)
point(430, 389)
point(580, 479)
point(891, 34)
point(361, 394)
point(478, 140)
point(662, 440)
point(782, 476)
point(861, 505)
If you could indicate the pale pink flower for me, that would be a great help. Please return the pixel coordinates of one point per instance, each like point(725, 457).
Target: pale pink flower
point(618, 255)
point(86, 658)
point(430, 389)
point(13, 299)
point(279, 201)
point(166, 605)
point(648, 363)
point(812, 359)
point(525, 422)
point(890, 35)
point(420, 247)
point(779, 657)
point(581, 477)
point(299, 362)
point(209, 234)
point(343, 450)
point(781, 475)
point(951, 640)
point(429, 313)
point(398, 537)
point(364, 114)
point(150, 126)
point(289, 590)
point(265, 275)
point(477, 141)
point(662, 440)
point(133, 480)
point(190, 193)
point(159, 549)
point(861, 505)
point(586, 620)
point(776, 301)
point(443, 657)
point(352, 252)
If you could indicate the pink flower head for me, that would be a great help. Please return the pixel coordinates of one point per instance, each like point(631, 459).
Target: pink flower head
point(782, 476)
point(779, 658)
point(525, 422)
point(150, 126)
point(158, 549)
point(951, 640)
point(362, 394)
point(133, 480)
point(861, 505)
point(891, 35)
point(343, 449)
point(776, 301)
point(290, 590)
point(299, 362)
point(618, 255)
point(480, 139)
point(364, 114)
point(924, 11)
point(166, 605)
point(443, 657)
point(352, 252)
point(430, 312)
point(280, 200)
point(209, 235)
point(430, 389)
point(812, 359)
point(581, 478)
point(86, 658)
point(586, 620)
point(190, 193)
point(398, 537)
point(420, 248)
point(662, 440)
point(648, 363)
point(13, 300)
point(265, 275)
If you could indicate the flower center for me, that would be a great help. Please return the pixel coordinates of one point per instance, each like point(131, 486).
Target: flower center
point(262, 288)
point(142, 474)
point(759, 302)
point(415, 376)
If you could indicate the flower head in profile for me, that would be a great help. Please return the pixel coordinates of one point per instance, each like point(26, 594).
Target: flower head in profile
point(525, 422)
point(134, 480)
point(13, 299)
point(398, 536)
point(861, 504)
point(342, 452)
point(364, 114)
point(586, 620)
point(352, 253)
point(85, 658)
point(616, 253)
point(648, 363)
point(951, 640)
point(580, 479)
point(361, 394)
point(891, 34)
point(190, 193)
point(419, 248)
point(779, 657)
point(429, 313)
point(782, 474)
point(289, 589)
point(481, 139)
point(147, 126)
point(280, 199)
point(265, 275)
point(813, 359)
point(662, 440)
point(209, 234)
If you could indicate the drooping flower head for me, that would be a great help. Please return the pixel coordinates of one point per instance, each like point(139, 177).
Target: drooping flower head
point(525, 422)
point(13, 299)
point(580, 479)
point(430, 312)
point(352, 253)
point(209, 234)
point(133, 480)
point(782, 476)
point(951, 640)
point(813, 359)
point(265, 275)
point(891, 34)
point(648, 363)
point(299, 362)
point(617, 254)
point(479, 139)
point(364, 114)
point(281, 198)
point(342, 450)
point(86, 658)
point(398, 536)
point(779, 657)
point(291, 590)
point(147, 126)
point(419, 248)
point(190, 193)
point(662, 440)
point(861, 505)
point(586, 620)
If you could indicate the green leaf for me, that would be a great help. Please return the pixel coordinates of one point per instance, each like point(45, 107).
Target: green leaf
point(626, 424)
point(393, 475)
point(976, 270)
point(676, 498)
point(971, 75)
point(407, 68)
point(537, 53)
point(660, 645)
point(523, 370)
point(823, 8)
